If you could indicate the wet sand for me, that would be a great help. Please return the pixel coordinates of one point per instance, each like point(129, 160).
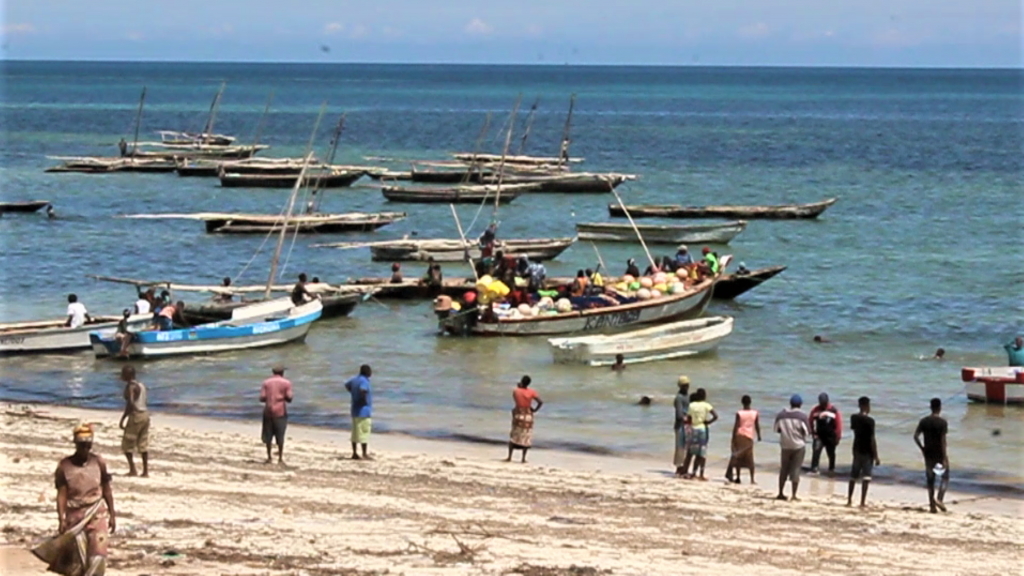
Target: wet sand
point(212, 506)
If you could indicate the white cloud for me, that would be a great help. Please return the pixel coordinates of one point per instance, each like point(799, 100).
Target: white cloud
point(754, 31)
point(20, 28)
point(333, 28)
point(477, 27)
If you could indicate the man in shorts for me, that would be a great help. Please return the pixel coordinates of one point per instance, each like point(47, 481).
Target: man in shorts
point(362, 410)
point(794, 430)
point(865, 450)
point(275, 394)
point(936, 462)
point(135, 422)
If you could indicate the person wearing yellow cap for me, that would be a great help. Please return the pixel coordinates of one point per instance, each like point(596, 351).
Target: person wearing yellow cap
point(85, 512)
point(682, 426)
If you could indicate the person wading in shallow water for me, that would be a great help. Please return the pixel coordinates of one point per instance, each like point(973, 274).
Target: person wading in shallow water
point(85, 512)
point(362, 410)
point(620, 363)
point(135, 422)
point(527, 403)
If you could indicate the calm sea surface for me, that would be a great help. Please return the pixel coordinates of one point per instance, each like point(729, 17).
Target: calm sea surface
point(923, 250)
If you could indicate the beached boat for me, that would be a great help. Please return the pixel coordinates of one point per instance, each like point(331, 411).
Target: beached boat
point(717, 233)
point(994, 385)
point(454, 195)
point(324, 179)
point(26, 206)
point(570, 183)
point(780, 212)
point(454, 250)
point(228, 223)
point(254, 326)
point(730, 286)
point(53, 337)
point(683, 306)
point(662, 342)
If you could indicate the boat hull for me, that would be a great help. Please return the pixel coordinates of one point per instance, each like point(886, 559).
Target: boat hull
point(310, 226)
point(402, 252)
point(25, 207)
point(995, 385)
point(664, 342)
point(680, 307)
point(342, 180)
point(730, 286)
point(699, 234)
point(62, 340)
point(334, 306)
point(782, 212)
point(445, 196)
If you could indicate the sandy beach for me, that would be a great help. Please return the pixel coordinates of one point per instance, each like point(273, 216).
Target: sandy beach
point(211, 506)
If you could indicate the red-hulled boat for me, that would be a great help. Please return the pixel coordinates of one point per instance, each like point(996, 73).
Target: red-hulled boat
point(995, 385)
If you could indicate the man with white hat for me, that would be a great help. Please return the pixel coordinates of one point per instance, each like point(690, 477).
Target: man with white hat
point(683, 257)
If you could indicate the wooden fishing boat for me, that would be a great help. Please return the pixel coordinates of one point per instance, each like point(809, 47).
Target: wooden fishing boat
point(410, 288)
point(717, 233)
point(571, 183)
point(174, 138)
point(456, 175)
point(170, 152)
point(51, 336)
point(26, 206)
point(455, 250)
point(254, 326)
point(212, 168)
point(454, 195)
point(231, 223)
point(473, 158)
point(324, 179)
point(386, 175)
point(662, 342)
point(994, 385)
point(730, 286)
point(335, 305)
point(104, 165)
point(683, 306)
point(780, 212)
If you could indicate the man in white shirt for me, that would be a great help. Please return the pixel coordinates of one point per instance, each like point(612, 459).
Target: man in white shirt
point(142, 305)
point(77, 314)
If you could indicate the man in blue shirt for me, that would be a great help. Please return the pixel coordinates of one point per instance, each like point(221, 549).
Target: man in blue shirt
point(362, 409)
point(1015, 350)
point(683, 257)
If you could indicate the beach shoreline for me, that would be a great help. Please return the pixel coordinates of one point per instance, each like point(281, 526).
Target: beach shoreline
point(443, 507)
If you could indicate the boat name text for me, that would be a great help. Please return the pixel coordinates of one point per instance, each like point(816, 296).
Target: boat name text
point(612, 320)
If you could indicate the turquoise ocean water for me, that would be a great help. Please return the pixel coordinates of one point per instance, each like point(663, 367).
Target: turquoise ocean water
point(923, 249)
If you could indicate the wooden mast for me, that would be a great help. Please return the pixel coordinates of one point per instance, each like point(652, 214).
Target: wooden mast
point(263, 118)
point(291, 203)
point(208, 131)
point(315, 200)
point(633, 224)
point(563, 151)
point(138, 122)
point(475, 164)
point(504, 154)
point(529, 124)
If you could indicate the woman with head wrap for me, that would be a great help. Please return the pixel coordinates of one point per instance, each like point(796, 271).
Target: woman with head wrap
point(85, 512)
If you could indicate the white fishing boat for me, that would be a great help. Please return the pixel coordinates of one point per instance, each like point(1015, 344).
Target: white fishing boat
point(716, 233)
point(994, 385)
point(51, 336)
point(663, 342)
point(265, 324)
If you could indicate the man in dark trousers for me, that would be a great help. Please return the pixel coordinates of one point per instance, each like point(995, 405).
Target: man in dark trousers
point(865, 450)
point(826, 429)
point(276, 394)
point(936, 462)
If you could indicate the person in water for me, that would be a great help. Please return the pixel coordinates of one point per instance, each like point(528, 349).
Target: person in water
point(527, 403)
point(51, 214)
point(940, 354)
point(85, 512)
point(818, 339)
point(135, 422)
point(1015, 351)
point(620, 363)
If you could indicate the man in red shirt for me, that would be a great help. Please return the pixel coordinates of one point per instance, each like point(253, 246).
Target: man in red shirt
point(276, 394)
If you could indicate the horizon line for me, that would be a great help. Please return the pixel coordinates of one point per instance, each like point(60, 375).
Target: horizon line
point(508, 64)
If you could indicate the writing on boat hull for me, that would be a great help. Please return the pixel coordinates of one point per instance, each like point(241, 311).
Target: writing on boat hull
point(612, 320)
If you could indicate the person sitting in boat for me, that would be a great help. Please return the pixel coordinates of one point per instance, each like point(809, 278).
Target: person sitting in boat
point(443, 310)
point(1015, 351)
point(396, 273)
point(742, 270)
point(77, 314)
point(487, 242)
point(579, 285)
point(652, 269)
point(144, 305)
point(668, 265)
point(632, 269)
point(165, 316)
point(300, 295)
point(711, 259)
point(123, 336)
point(225, 296)
point(683, 257)
point(536, 274)
point(434, 278)
point(123, 147)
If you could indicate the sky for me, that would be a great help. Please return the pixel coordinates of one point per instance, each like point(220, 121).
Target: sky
point(928, 33)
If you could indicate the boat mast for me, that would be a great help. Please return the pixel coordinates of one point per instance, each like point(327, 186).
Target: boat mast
point(208, 131)
point(529, 124)
point(138, 121)
point(504, 154)
point(263, 118)
point(314, 203)
point(291, 203)
point(639, 236)
point(474, 164)
point(563, 151)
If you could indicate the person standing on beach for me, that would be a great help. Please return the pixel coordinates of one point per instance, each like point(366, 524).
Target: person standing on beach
point(826, 430)
point(135, 422)
point(681, 458)
point(85, 512)
point(1015, 351)
point(747, 424)
point(702, 415)
point(276, 394)
point(865, 450)
point(936, 461)
point(793, 429)
point(527, 403)
point(362, 410)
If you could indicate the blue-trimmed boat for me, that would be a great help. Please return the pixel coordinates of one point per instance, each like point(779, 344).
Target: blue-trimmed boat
point(265, 324)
